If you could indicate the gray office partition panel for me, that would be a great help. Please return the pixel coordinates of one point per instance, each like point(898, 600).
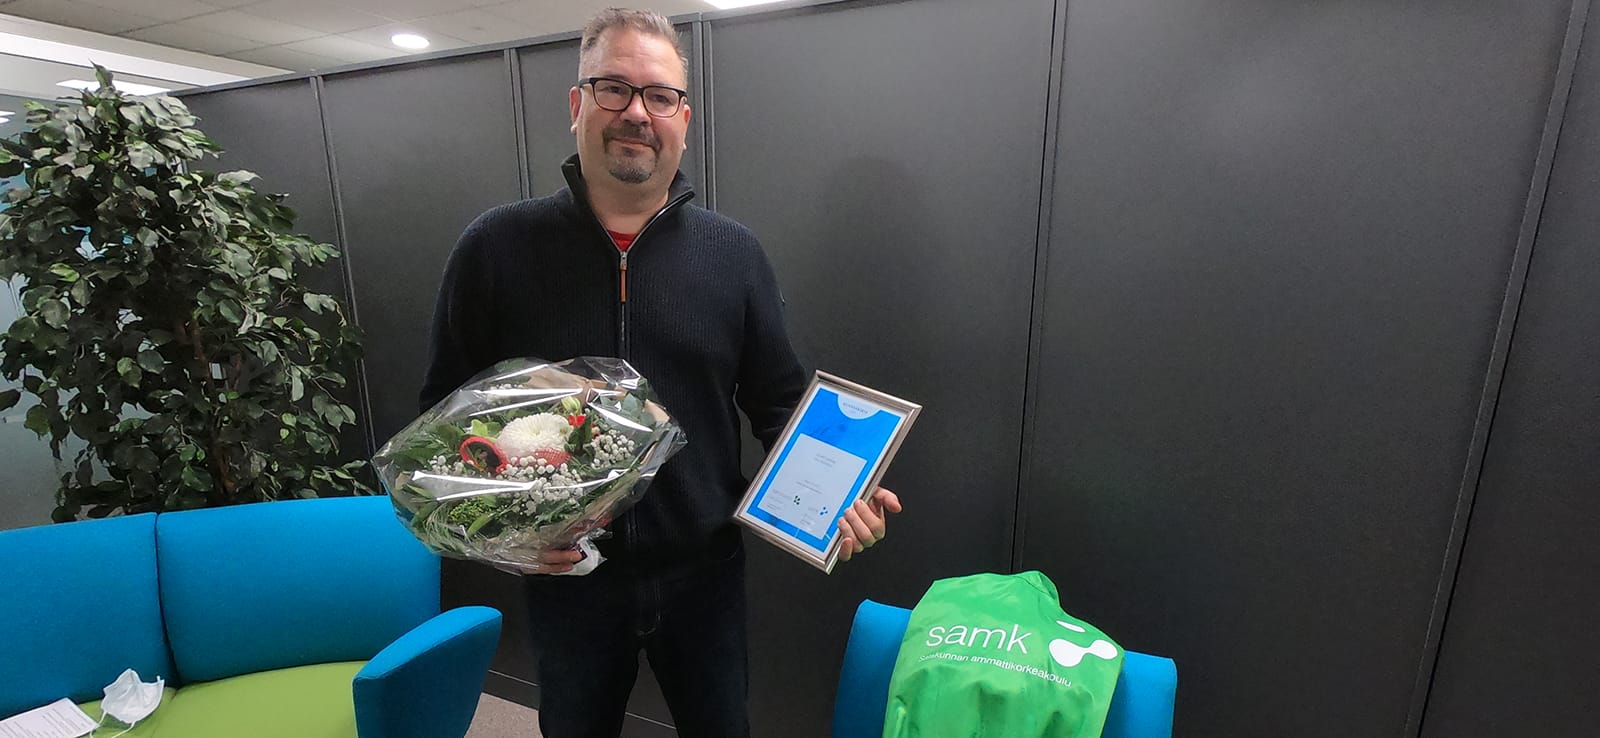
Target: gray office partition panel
point(1517, 656)
point(1278, 243)
point(548, 72)
point(419, 152)
point(888, 156)
point(275, 130)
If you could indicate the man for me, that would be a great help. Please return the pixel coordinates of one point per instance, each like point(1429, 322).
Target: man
point(620, 264)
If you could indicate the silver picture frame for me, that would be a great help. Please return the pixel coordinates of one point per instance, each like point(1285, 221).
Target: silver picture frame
point(796, 500)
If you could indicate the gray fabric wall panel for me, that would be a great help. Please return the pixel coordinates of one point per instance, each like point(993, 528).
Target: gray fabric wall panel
point(276, 131)
point(1517, 657)
point(1280, 238)
point(548, 72)
point(420, 151)
point(904, 241)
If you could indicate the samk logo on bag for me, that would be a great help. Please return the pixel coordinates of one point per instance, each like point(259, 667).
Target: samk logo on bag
point(1069, 654)
point(1064, 652)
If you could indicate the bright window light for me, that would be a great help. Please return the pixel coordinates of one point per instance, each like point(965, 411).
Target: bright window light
point(33, 48)
point(730, 4)
point(131, 88)
point(409, 41)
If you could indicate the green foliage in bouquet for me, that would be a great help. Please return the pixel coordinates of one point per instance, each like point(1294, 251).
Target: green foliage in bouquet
point(162, 321)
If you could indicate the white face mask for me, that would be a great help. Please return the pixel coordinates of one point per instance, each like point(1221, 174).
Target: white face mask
point(130, 700)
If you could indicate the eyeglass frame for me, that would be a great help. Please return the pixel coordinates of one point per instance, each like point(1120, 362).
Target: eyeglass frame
point(634, 91)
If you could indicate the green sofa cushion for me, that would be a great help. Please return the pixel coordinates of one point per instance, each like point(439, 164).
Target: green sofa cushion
point(303, 701)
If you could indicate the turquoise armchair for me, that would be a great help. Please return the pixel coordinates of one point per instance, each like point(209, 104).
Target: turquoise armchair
point(307, 618)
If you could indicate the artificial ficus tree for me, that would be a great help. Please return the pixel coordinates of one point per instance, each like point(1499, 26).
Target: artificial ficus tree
point(163, 319)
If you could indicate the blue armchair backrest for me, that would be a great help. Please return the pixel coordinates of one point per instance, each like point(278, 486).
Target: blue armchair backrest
point(277, 584)
point(1141, 707)
point(78, 605)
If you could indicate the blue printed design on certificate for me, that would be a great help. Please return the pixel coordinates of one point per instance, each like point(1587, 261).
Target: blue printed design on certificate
point(830, 456)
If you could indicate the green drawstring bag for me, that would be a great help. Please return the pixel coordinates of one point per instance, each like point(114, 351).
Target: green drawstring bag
point(994, 655)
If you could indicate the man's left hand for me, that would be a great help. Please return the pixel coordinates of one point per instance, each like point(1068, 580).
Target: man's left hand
point(865, 522)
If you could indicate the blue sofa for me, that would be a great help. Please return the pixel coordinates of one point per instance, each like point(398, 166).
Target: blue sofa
point(307, 618)
point(1140, 708)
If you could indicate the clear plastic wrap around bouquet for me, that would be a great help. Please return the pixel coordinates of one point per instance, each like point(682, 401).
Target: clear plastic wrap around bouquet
point(528, 457)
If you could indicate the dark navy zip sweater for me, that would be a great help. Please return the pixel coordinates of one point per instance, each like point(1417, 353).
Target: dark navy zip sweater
point(703, 322)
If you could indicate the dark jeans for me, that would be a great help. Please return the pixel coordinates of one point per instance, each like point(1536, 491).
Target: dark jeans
point(690, 624)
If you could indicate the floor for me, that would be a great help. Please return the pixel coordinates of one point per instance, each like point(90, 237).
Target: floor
point(498, 718)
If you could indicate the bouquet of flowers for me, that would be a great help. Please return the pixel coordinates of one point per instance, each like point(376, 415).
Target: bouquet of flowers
point(526, 458)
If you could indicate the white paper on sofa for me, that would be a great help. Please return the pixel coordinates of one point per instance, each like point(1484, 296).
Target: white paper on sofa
point(59, 719)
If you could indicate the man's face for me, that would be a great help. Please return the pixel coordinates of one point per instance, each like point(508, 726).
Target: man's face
point(635, 147)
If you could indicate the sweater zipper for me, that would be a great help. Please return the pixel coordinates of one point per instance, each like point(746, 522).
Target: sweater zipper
point(622, 328)
point(630, 535)
point(622, 269)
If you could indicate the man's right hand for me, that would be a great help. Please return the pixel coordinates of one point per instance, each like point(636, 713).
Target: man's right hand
point(559, 562)
point(550, 562)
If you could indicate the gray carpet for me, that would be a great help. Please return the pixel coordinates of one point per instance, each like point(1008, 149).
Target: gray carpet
point(498, 718)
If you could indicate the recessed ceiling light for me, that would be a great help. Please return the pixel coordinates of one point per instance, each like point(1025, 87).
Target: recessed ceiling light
point(131, 88)
point(730, 4)
point(409, 41)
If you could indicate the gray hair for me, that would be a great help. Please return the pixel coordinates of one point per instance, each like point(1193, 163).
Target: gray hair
point(647, 22)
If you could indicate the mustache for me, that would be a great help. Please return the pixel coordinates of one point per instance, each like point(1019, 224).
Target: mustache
point(633, 132)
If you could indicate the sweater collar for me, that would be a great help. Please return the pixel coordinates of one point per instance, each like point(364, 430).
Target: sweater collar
point(678, 193)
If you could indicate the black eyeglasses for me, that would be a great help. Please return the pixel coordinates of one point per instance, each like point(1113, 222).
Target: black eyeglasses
point(615, 95)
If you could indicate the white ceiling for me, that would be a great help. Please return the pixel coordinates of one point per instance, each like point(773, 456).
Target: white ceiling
point(304, 35)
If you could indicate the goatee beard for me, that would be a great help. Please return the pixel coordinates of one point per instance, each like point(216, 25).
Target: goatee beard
point(632, 169)
point(629, 171)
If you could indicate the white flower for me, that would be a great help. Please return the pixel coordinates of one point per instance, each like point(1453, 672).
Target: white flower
point(523, 436)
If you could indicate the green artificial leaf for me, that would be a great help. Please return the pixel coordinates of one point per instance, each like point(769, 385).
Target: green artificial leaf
point(9, 398)
point(54, 312)
point(129, 371)
point(151, 361)
point(196, 478)
point(236, 178)
point(318, 303)
point(37, 420)
point(24, 328)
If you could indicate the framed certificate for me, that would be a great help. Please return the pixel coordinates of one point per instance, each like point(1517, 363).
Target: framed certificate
point(833, 452)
